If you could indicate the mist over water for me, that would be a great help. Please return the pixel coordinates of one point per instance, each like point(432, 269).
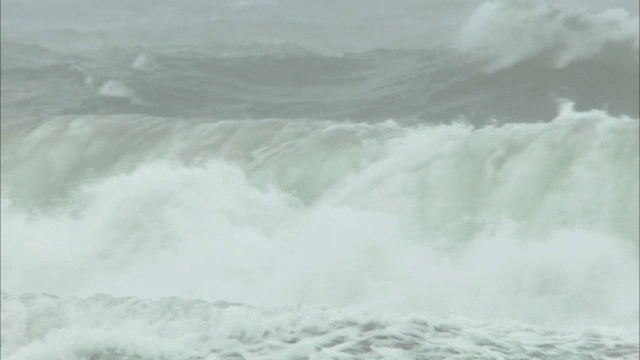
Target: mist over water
point(335, 180)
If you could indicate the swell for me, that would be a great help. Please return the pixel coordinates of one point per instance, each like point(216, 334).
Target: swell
point(433, 85)
point(510, 61)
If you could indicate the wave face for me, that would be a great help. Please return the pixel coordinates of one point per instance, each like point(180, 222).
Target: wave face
point(464, 196)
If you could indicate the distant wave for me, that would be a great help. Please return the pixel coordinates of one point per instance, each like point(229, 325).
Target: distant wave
point(510, 62)
point(509, 32)
point(433, 85)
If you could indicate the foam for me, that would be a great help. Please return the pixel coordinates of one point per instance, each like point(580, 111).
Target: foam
point(109, 327)
point(112, 88)
point(144, 62)
point(533, 222)
point(509, 32)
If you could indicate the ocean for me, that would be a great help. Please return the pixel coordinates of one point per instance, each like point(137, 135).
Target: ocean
point(279, 179)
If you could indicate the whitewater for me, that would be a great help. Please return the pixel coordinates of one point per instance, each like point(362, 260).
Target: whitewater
point(336, 180)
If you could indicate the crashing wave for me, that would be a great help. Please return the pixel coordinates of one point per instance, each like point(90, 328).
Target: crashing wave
point(508, 32)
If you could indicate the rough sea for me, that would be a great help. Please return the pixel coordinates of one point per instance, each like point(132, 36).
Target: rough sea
point(302, 179)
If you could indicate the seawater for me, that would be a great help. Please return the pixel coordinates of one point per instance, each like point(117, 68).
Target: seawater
point(269, 181)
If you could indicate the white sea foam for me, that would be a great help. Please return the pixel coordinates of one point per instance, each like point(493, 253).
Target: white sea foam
point(113, 88)
point(144, 62)
point(508, 32)
point(38, 326)
point(532, 222)
point(126, 197)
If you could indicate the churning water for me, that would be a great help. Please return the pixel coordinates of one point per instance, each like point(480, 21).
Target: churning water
point(330, 180)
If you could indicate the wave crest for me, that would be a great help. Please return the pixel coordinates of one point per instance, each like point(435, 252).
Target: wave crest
point(506, 33)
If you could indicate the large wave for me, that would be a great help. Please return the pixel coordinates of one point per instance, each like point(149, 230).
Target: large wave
point(246, 158)
point(536, 222)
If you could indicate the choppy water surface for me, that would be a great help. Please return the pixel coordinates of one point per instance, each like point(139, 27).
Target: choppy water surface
point(302, 180)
